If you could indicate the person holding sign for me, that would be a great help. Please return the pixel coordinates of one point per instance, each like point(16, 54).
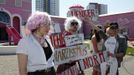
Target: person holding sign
point(97, 43)
point(35, 52)
point(72, 26)
point(116, 46)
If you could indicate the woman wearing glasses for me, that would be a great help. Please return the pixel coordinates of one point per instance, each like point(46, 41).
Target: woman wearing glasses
point(72, 26)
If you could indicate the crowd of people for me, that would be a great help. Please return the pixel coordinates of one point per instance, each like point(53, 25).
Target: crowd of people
point(36, 53)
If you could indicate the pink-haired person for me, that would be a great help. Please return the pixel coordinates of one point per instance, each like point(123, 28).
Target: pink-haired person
point(35, 52)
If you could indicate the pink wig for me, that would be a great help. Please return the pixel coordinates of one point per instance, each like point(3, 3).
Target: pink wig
point(36, 19)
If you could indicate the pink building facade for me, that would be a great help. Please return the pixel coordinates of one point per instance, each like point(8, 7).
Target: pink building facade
point(13, 13)
point(125, 21)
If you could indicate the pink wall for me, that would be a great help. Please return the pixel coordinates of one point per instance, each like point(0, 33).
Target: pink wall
point(125, 20)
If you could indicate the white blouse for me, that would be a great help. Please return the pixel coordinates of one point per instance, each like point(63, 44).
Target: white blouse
point(36, 57)
point(111, 44)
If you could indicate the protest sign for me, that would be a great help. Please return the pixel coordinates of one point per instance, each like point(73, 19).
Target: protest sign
point(66, 54)
point(73, 70)
point(56, 28)
point(93, 60)
point(74, 39)
point(82, 13)
point(57, 40)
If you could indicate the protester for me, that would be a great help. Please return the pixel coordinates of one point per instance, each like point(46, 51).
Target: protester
point(116, 46)
point(35, 52)
point(72, 26)
point(97, 43)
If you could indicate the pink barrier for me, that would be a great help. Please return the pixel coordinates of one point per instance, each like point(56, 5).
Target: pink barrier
point(13, 33)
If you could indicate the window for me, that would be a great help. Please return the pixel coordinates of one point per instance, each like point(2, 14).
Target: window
point(2, 1)
point(18, 3)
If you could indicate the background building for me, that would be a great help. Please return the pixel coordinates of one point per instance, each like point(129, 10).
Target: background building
point(54, 7)
point(50, 6)
point(13, 13)
point(40, 5)
point(100, 8)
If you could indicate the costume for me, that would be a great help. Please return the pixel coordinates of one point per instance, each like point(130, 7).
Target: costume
point(63, 67)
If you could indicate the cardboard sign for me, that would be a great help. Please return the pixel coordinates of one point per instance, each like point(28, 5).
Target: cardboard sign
point(66, 54)
point(93, 60)
point(56, 27)
point(74, 39)
point(57, 40)
point(70, 71)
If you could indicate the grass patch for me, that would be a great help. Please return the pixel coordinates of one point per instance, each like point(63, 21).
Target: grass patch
point(130, 51)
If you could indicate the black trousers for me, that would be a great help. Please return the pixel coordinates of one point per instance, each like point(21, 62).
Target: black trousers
point(43, 72)
point(117, 72)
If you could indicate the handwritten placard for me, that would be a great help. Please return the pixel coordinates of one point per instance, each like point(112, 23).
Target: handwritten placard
point(57, 40)
point(74, 39)
point(93, 60)
point(64, 55)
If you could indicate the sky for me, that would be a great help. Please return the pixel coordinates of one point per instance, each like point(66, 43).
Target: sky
point(114, 6)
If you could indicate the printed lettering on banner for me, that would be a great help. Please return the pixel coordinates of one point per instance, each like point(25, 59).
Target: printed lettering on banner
point(83, 13)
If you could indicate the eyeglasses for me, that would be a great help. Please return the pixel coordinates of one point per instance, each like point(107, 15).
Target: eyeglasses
point(74, 23)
